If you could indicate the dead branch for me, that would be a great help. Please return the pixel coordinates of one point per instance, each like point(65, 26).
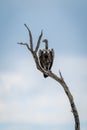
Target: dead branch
point(30, 35)
point(38, 42)
point(59, 79)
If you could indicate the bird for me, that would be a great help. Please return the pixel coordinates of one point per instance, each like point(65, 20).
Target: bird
point(46, 57)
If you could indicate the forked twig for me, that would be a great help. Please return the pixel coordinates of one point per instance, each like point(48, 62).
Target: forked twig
point(21, 43)
point(60, 79)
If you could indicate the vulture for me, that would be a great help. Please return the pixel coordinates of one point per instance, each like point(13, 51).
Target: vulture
point(46, 57)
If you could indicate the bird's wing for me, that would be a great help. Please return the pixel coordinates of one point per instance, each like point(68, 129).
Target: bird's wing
point(41, 57)
point(51, 58)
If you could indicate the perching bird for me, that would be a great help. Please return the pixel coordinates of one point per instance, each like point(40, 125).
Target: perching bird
point(46, 57)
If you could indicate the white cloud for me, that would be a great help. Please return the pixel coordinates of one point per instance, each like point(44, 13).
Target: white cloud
point(27, 96)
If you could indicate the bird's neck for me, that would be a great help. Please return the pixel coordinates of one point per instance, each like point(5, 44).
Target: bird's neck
point(46, 45)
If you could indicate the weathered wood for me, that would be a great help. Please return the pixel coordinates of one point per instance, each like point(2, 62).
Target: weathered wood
point(59, 79)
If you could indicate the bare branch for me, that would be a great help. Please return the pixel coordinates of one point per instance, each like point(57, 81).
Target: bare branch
point(38, 42)
point(71, 100)
point(30, 35)
point(60, 79)
point(21, 43)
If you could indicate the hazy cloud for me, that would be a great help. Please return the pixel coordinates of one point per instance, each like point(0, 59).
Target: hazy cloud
point(27, 96)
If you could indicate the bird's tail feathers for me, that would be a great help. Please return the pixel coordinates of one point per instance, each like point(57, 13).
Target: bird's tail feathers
point(45, 76)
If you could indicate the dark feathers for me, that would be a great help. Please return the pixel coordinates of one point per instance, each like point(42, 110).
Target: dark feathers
point(46, 57)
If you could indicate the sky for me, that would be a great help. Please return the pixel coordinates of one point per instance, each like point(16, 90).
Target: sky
point(28, 101)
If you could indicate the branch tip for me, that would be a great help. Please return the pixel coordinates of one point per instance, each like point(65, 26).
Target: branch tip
point(42, 31)
point(27, 28)
point(25, 24)
point(20, 43)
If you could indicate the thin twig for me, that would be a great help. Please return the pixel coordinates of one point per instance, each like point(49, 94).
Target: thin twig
point(21, 43)
point(30, 35)
point(38, 42)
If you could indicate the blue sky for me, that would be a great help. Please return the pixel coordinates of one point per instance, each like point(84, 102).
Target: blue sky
point(27, 100)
